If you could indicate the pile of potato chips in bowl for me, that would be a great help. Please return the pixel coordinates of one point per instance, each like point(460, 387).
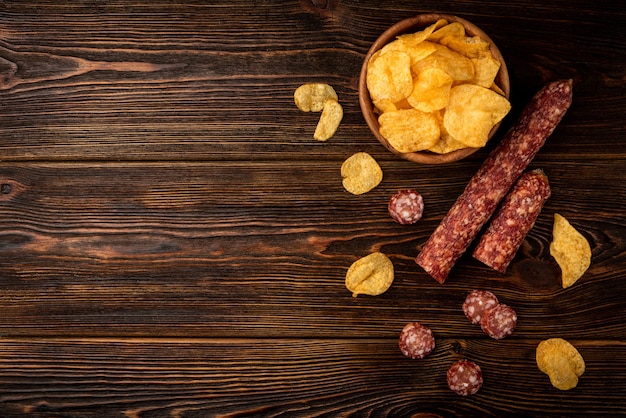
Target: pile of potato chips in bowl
point(434, 88)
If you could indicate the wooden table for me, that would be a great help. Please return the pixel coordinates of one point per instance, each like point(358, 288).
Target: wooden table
point(174, 242)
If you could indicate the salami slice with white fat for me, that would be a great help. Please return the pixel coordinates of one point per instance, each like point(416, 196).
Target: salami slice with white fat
point(406, 207)
point(465, 377)
point(495, 177)
point(416, 340)
point(499, 322)
point(515, 218)
point(477, 303)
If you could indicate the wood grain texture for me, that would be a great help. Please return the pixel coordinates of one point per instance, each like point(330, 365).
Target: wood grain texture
point(300, 378)
point(265, 246)
point(174, 242)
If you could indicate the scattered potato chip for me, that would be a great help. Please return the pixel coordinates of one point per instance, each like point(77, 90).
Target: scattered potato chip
point(389, 76)
point(311, 97)
point(331, 117)
point(409, 130)
point(371, 275)
point(441, 58)
point(561, 361)
point(570, 249)
point(472, 113)
point(361, 173)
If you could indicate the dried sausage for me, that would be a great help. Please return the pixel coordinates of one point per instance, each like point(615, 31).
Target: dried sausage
point(416, 340)
point(494, 178)
point(406, 207)
point(465, 377)
point(477, 303)
point(513, 220)
point(499, 322)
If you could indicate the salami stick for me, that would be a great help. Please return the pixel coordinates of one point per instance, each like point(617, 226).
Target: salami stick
point(513, 220)
point(494, 178)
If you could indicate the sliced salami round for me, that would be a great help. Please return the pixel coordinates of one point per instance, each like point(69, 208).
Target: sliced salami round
point(406, 207)
point(499, 322)
point(416, 340)
point(465, 377)
point(477, 303)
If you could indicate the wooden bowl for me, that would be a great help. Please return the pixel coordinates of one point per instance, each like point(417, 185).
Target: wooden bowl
point(411, 25)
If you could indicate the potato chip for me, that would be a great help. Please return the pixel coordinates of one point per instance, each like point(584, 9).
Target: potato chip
point(561, 361)
point(389, 76)
point(385, 105)
point(311, 97)
point(458, 66)
point(497, 89)
point(446, 144)
point(361, 173)
point(421, 36)
point(485, 71)
point(454, 29)
point(409, 130)
point(420, 51)
point(472, 113)
point(403, 104)
point(570, 249)
point(331, 117)
point(371, 275)
point(431, 90)
point(470, 47)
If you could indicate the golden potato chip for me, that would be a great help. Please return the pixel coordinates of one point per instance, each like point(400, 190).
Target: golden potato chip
point(311, 97)
point(472, 112)
point(471, 47)
point(331, 117)
point(403, 104)
point(431, 90)
point(418, 37)
point(420, 51)
point(570, 249)
point(485, 71)
point(416, 51)
point(409, 130)
point(361, 173)
point(454, 29)
point(389, 76)
point(497, 89)
point(446, 144)
point(385, 105)
point(371, 275)
point(561, 361)
point(459, 67)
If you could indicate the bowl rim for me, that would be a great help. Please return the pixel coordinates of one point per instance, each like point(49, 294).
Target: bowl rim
point(415, 23)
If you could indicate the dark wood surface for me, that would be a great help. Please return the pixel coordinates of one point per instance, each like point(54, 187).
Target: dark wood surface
point(174, 243)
